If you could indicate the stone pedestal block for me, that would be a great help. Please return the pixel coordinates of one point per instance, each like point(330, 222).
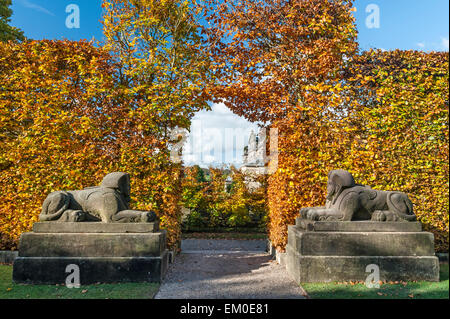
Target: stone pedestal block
point(52, 270)
point(341, 251)
point(92, 245)
point(105, 253)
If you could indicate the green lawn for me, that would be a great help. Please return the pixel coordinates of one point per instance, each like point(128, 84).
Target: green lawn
point(405, 290)
point(9, 290)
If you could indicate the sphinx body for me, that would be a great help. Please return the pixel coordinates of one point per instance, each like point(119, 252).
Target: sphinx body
point(347, 201)
point(107, 203)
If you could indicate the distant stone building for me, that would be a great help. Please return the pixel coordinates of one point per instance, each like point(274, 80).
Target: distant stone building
point(254, 158)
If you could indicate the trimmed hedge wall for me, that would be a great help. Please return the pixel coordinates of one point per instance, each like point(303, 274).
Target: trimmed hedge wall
point(390, 132)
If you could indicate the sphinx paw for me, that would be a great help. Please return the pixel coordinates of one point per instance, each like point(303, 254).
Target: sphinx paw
point(313, 215)
point(379, 216)
point(147, 217)
point(304, 213)
point(329, 218)
point(76, 216)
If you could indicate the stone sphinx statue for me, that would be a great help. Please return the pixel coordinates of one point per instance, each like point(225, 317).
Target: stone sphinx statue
point(347, 201)
point(108, 203)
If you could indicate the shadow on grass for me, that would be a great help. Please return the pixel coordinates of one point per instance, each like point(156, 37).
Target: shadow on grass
point(406, 290)
point(10, 290)
point(443, 274)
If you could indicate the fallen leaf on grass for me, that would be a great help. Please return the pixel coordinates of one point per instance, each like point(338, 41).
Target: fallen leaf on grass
point(84, 291)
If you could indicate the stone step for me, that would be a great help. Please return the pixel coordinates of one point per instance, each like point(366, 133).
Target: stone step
point(223, 252)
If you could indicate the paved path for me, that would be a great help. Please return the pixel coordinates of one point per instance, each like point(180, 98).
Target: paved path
point(223, 269)
point(189, 246)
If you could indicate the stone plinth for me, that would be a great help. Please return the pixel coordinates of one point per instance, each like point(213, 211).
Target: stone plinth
point(128, 252)
point(358, 226)
point(341, 251)
point(54, 227)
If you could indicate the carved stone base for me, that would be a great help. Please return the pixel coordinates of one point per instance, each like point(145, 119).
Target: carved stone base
point(337, 251)
point(104, 253)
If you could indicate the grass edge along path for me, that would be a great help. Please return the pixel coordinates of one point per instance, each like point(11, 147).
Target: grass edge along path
point(10, 290)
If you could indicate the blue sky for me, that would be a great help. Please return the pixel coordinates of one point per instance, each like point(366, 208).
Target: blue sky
point(400, 24)
point(404, 24)
point(46, 19)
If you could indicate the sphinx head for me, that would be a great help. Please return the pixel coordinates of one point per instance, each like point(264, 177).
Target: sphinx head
point(338, 180)
point(119, 182)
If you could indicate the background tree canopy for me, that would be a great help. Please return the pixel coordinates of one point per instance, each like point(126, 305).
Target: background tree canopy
point(216, 204)
point(8, 32)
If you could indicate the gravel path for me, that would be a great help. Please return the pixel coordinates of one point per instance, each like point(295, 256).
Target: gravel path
point(224, 269)
point(211, 245)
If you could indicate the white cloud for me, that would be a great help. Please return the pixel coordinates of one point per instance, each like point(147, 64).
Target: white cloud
point(444, 43)
point(30, 5)
point(217, 138)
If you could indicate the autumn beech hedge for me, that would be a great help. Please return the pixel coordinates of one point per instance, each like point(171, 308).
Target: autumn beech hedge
point(392, 134)
point(64, 124)
point(383, 116)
